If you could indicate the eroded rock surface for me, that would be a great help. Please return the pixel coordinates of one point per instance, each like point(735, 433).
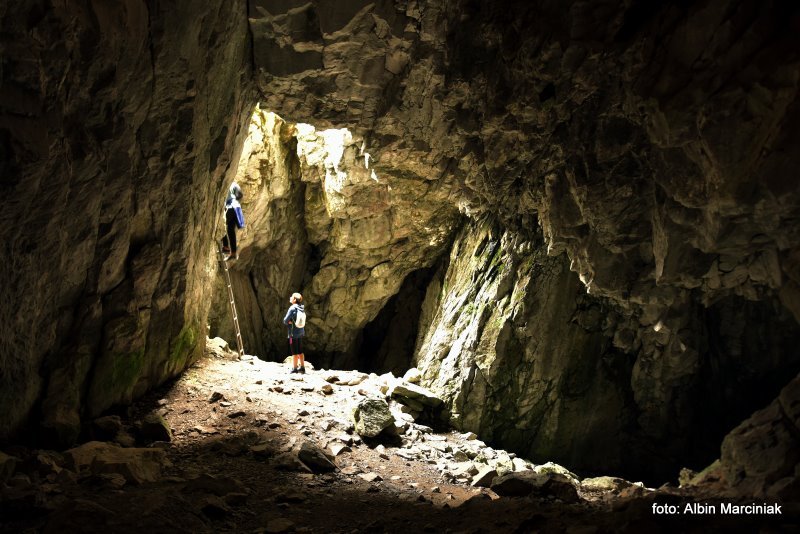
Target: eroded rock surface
point(652, 143)
point(326, 224)
point(117, 126)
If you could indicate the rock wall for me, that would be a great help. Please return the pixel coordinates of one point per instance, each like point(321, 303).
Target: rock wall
point(324, 223)
point(516, 349)
point(662, 171)
point(118, 124)
point(651, 142)
point(529, 361)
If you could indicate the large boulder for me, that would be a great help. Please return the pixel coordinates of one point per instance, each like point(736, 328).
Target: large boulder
point(135, 464)
point(371, 417)
point(524, 483)
point(404, 391)
point(761, 457)
point(7, 466)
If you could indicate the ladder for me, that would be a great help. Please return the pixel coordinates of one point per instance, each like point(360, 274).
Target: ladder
point(239, 344)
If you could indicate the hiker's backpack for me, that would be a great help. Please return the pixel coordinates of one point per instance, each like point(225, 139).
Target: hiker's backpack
point(300, 319)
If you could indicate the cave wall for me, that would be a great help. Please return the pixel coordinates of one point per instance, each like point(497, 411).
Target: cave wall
point(322, 222)
point(526, 359)
point(515, 347)
point(118, 124)
point(661, 170)
point(651, 142)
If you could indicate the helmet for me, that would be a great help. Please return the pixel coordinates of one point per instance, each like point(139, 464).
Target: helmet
point(236, 191)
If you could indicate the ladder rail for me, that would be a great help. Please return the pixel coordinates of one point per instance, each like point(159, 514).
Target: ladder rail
point(239, 343)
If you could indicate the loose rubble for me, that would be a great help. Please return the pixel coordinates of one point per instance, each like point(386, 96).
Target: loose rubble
point(241, 445)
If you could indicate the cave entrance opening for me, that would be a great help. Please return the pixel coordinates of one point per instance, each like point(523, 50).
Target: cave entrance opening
point(322, 222)
point(387, 344)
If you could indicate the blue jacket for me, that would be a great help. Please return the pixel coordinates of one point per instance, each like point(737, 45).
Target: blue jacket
point(290, 316)
point(232, 202)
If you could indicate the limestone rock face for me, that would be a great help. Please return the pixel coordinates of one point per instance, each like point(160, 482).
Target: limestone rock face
point(525, 358)
point(136, 465)
point(326, 224)
point(117, 126)
point(506, 350)
point(760, 457)
point(661, 170)
point(653, 144)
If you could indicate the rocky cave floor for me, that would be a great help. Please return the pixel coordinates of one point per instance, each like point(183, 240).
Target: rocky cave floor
point(249, 451)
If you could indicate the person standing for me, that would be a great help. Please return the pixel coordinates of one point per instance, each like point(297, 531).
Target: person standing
point(295, 320)
point(234, 219)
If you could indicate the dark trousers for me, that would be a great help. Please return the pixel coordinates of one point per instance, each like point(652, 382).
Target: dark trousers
point(231, 223)
point(295, 346)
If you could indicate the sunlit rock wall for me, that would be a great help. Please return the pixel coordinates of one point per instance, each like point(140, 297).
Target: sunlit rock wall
point(323, 222)
point(118, 122)
point(529, 361)
point(515, 346)
point(273, 249)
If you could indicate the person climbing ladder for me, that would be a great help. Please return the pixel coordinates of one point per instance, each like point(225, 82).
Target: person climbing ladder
point(234, 219)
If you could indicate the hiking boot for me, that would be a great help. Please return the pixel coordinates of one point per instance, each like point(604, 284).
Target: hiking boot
point(302, 370)
point(293, 371)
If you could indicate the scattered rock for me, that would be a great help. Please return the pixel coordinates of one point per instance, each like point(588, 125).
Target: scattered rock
point(370, 477)
point(339, 448)
point(216, 396)
point(218, 345)
point(351, 470)
point(551, 467)
point(371, 417)
point(237, 414)
point(327, 389)
point(262, 449)
point(289, 461)
point(315, 458)
point(604, 484)
point(413, 376)
point(357, 380)
point(154, 428)
point(484, 476)
point(136, 465)
point(414, 394)
point(539, 484)
point(519, 464)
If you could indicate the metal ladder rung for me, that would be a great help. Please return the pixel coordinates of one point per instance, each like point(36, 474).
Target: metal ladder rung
point(239, 343)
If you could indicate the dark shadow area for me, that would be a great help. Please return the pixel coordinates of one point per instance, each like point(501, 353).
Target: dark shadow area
point(221, 484)
point(387, 343)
